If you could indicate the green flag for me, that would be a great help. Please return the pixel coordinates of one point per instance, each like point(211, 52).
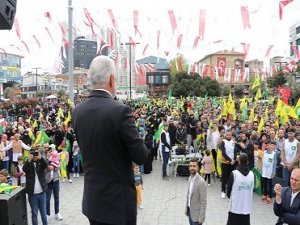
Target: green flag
point(158, 132)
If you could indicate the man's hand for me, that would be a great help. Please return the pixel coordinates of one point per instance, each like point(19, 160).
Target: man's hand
point(30, 157)
point(290, 167)
point(50, 168)
point(277, 190)
point(232, 162)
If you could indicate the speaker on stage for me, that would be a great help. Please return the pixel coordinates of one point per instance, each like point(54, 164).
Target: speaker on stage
point(7, 13)
point(13, 208)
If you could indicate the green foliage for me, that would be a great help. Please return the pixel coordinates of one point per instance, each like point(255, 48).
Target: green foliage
point(239, 90)
point(225, 90)
point(186, 85)
point(173, 68)
point(278, 80)
point(61, 93)
point(40, 94)
point(9, 93)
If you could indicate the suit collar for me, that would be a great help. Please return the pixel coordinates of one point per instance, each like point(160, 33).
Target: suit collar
point(196, 180)
point(100, 93)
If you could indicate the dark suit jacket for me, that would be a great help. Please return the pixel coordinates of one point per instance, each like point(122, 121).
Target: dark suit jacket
point(109, 142)
point(290, 214)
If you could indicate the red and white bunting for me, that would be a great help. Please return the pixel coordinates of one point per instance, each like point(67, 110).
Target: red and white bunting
point(112, 39)
point(48, 32)
point(283, 4)
point(37, 41)
point(26, 46)
point(91, 21)
point(296, 51)
point(113, 19)
point(212, 72)
point(179, 40)
point(245, 17)
point(202, 17)
point(145, 49)
point(157, 39)
point(196, 42)
point(47, 15)
point(268, 51)
point(205, 69)
point(62, 29)
point(17, 28)
point(136, 22)
point(172, 20)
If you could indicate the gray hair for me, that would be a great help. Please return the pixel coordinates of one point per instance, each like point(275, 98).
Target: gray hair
point(100, 69)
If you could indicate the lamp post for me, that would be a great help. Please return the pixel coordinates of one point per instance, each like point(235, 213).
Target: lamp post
point(70, 55)
point(36, 81)
point(130, 59)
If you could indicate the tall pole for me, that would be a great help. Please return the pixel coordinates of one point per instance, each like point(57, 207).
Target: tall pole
point(130, 71)
point(36, 80)
point(71, 58)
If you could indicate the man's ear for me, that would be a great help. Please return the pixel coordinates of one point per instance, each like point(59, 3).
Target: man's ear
point(111, 81)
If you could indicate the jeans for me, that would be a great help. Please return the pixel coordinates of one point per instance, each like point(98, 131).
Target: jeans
point(53, 186)
point(165, 156)
point(76, 164)
point(190, 140)
point(142, 168)
point(6, 165)
point(286, 175)
point(38, 202)
point(193, 223)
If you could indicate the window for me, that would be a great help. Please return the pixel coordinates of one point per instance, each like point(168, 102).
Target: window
point(165, 79)
point(157, 79)
point(151, 79)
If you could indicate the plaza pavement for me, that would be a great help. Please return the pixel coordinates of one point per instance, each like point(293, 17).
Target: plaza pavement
point(163, 201)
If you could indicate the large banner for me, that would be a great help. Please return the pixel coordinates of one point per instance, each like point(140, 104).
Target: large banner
point(221, 61)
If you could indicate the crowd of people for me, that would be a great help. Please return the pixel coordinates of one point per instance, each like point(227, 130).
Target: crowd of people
point(41, 145)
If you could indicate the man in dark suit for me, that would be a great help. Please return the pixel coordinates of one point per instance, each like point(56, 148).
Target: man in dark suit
point(287, 201)
point(109, 143)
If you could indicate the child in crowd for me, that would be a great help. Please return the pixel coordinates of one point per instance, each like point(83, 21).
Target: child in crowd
point(138, 185)
point(76, 159)
point(20, 174)
point(268, 170)
point(4, 177)
point(207, 163)
point(54, 161)
point(258, 155)
point(64, 159)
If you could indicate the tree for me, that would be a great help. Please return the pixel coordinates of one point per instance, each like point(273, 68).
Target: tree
point(278, 80)
point(39, 94)
point(174, 65)
point(239, 90)
point(225, 90)
point(9, 93)
point(61, 93)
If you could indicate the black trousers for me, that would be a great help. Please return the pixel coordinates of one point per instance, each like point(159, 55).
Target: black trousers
point(207, 176)
point(214, 155)
point(98, 223)
point(226, 170)
point(267, 186)
point(237, 219)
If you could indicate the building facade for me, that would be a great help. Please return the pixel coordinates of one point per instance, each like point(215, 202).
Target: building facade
point(10, 70)
point(294, 38)
point(255, 67)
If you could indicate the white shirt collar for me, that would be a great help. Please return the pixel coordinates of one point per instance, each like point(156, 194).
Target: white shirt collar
point(100, 89)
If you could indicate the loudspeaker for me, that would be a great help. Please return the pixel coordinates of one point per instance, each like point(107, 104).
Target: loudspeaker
point(13, 208)
point(7, 14)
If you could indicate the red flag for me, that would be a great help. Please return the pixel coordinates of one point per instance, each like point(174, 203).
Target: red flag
point(285, 93)
point(62, 29)
point(46, 28)
point(26, 46)
point(91, 21)
point(111, 39)
point(296, 51)
point(268, 51)
point(172, 20)
point(205, 70)
point(245, 17)
point(179, 40)
point(282, 4)
point(145, 48)
point(157, 40)
point(202, 23)
point(136, 22)
point(245, 48)
point(17, 27)
point(112, 17)
point(196, 42)
point(180, 64)
point(36, 40)
point(47, 14)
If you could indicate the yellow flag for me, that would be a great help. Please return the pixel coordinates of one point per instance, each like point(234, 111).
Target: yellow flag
point(258, 95)
point(283, 116)
point(256, 83)
point(68, 119)
point(29, 120)
point(278, 107)
point(251, 117)
point(267, 114)
point(35, 124)
point(41, 116)
point(290, 111)
point(261, 125)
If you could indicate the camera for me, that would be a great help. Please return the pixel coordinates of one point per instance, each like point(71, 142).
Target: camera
point(34, 153)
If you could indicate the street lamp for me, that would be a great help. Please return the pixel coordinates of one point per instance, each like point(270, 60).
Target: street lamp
point(130, 44)
point(36, 82)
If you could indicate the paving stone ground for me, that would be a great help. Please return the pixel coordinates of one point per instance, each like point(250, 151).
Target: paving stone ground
point(163, 201)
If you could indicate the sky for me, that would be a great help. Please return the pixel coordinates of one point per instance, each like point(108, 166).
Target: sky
point(223, 22)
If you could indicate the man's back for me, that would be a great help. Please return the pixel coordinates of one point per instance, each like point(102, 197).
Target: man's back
point(109, 142)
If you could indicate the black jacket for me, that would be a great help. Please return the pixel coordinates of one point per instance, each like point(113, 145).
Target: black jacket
point(29, 169)
point(109, 143)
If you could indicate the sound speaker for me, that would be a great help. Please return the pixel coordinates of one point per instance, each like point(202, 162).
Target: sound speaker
point(7, 14)
point(13, 208)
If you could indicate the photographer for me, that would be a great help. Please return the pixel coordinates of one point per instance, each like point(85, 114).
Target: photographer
point(36, 185)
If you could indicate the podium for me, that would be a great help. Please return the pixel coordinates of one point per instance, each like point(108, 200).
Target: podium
point(13, 208)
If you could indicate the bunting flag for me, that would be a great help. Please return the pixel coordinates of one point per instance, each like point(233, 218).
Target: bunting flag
point(62, 29)
point(196, 42)
point(113, 19)
point(26, 46)
point(212, 72)
point(282, 4)
point(202, 16)
point(48, 32)
point(268, 51)
point(157, 39)
point(37, 41)
point(91, 21)
point(245, 17)
point(172, 20)
point(17, 28)
point(246, 48)
point(47, 15)
point(136, 22)
point(296, 52)
point(179, 40)
point(145, 49)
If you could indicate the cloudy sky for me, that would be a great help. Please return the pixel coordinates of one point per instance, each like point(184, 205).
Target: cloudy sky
point(223, 22)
